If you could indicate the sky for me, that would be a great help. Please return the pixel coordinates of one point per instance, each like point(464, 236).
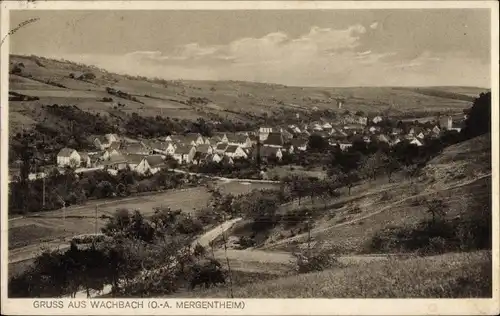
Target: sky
point(330, 48)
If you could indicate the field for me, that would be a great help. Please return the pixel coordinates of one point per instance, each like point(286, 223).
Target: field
point(49, 80)
point(27, 235)
point(289, 170)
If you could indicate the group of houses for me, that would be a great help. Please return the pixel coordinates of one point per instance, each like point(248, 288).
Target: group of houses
point(149, 155)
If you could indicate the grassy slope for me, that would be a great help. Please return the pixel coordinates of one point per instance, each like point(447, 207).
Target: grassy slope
point(228, 98)
point(453, 275)
point(460, 175)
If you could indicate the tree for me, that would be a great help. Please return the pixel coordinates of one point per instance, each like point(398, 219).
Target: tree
point(478, 121)
point(437, 208)
point(317, 143)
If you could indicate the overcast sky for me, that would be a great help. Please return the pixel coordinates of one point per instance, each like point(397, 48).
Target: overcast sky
point(307, 48)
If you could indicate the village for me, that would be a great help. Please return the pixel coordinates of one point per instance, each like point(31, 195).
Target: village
point(147, 156)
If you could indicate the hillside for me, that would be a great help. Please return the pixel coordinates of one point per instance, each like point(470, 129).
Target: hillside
point(460, 176)
point(37, 81)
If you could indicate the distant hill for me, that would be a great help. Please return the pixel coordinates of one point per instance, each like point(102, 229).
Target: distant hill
point(36, 81)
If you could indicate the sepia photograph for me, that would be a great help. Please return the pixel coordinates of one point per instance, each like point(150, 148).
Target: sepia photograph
point(248, 153)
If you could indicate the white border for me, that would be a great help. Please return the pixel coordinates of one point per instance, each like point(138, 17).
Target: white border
point(261, 306)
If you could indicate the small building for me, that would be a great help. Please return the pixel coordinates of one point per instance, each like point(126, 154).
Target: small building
point(108, 153)
point(299, 144)
point(234, 151)
point(117, 162)
point(239, 140)
point(264, 132)
point(85, 161)
point(205, 149)
point(269, 153)
point(68, 157)
point(135, 148)
point(221, 148)
point(184, 154)
point(274, 140)
point(446, 123)
point(377, 119)
point(133, 160)
point(150, 164)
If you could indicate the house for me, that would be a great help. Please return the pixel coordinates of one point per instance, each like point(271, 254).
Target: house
point(117, 162)
point(234, 151)
point(184, 154)
point(214, 158)
point(457, 126)
point(239, 140)
point(363, 120)
point(343, 145)
point(204, 149)
point(436, 130)
point(112, 138)
point(221, 148)
point(317, 127)
point(114, 145)
point(354, 128)
point(181, 139)
point(374, 129)
point(286, 134)
point(417, 142)
point(220, 137)
point(162, 148)
point(133, 160)
point(135, 148)
point(267, 153)
point(68, 157)
point(421, 135)
point(377, 119)
point(326, 125)
point(294, 129)
point(226, 160)
point(264, 133)
point(100, 142)
point(383, 139)
point(446, 123)
point(274, 140)
point(150, 164)
point(85, 161)
point(299, 144)
point(196, 138)
point(108, 153)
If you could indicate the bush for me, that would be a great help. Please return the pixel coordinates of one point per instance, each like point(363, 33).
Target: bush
point(315, 260)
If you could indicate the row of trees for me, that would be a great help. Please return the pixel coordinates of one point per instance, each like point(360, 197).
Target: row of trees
point(69, 188)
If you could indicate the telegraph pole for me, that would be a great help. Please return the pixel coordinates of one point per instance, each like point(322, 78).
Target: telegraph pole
point(96, 218)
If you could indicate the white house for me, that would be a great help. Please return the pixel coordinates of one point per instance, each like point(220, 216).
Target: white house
point(220, 148)
point(264, 133)
point(133, 160)
point(344, 146)
point(299, 144)
point(377, 119)
point(151, 164)
point(109, 153)
point(417, 142)
point(234, 151)
point(184, 154)
point(68, 157)
point(239, 140)
point(112, 138)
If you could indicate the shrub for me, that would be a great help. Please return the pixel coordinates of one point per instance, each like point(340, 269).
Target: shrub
point(317, 259)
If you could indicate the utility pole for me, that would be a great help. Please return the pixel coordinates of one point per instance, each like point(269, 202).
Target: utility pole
point(309, 234)
point(43, 197)
point(96, 218)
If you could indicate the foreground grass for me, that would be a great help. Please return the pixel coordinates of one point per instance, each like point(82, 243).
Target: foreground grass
point(454, 275)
